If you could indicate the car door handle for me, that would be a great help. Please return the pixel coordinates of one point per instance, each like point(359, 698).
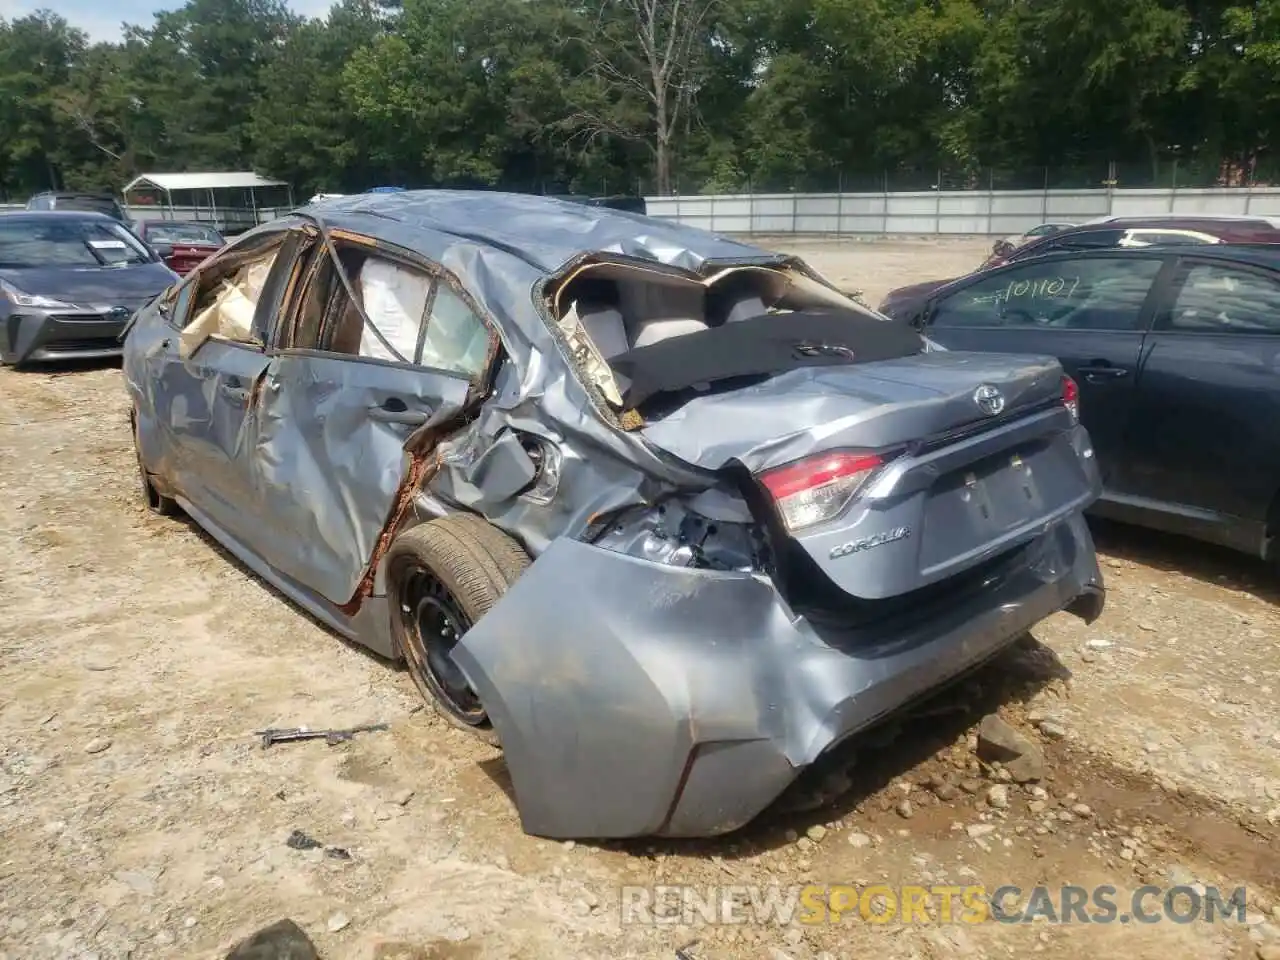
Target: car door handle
point(238, 394)
point(392, 414)
point(1103, 371)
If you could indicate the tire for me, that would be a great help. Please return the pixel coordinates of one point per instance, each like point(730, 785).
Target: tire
point(156, 502)
point(442, 577)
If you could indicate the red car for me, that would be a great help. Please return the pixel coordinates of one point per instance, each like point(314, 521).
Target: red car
point(184, 245)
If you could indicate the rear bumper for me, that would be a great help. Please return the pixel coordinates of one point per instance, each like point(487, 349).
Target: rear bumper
point(637, 699)
point(38, 336)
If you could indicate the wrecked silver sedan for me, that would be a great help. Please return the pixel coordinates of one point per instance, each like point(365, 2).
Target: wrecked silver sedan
point(664, 515)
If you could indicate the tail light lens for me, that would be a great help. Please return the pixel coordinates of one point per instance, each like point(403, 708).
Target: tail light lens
point(818, 488)
point(1071, 397)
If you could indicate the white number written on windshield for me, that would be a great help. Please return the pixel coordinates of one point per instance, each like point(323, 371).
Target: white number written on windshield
point(1050, 288)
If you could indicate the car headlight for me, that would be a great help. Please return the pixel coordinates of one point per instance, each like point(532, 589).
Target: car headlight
point(20, 299)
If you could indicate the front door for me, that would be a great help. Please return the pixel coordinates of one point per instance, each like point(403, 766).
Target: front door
point(208, 372)
point(1088, 311)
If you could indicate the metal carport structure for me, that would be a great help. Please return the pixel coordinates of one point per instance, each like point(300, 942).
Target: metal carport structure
point(233, 201)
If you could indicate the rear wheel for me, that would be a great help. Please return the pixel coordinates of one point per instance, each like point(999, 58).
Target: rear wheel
point(156, 502)
point(442, 577)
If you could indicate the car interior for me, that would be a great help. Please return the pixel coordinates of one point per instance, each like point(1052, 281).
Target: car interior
point(394, 296)
point(1217, 298)
point(1079, 295)
point(413, 316)
point(622, 322)
point(226, 297)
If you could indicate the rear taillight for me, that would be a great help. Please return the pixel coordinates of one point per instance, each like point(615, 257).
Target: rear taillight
point(819, 488)
point(1071, 397)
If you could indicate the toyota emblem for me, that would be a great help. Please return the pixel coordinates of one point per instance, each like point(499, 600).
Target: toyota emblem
point(989, 400)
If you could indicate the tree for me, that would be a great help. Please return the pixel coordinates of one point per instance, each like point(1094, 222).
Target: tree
point(302, 127)
point(589, 95)
point(647, 62)
point(460, 91)
point(37, 55)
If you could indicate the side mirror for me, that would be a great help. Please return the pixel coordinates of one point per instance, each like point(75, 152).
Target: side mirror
point(923, 315)
point(163, 249)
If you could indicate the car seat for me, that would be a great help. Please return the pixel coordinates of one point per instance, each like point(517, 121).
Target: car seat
point(653, 312)
point(734, 298)
point(604, 325)
point(596, 302)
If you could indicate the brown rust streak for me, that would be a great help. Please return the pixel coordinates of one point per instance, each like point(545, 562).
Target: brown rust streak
point(255, 390)
point(295, 276)
point(337, 233)
point(421, 469)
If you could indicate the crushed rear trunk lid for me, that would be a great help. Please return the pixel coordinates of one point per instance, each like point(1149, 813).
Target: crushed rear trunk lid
point(873, 405)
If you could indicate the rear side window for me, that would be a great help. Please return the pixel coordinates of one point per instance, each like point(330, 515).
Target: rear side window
point(414, 316)
point(1093, 293)
point(1223, 299)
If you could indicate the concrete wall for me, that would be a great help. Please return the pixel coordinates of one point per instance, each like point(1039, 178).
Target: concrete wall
point(995, 213)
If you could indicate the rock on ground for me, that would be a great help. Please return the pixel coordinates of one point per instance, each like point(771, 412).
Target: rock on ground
point(283, 940)
point(998, 742)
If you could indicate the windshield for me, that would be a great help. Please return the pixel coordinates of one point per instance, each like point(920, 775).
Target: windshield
point(54, 241)
point(183, 233)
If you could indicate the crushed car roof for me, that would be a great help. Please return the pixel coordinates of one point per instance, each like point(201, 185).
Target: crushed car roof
point(544, 232)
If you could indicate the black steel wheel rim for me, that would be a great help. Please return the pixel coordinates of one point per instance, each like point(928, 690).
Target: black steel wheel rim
point(433, 623)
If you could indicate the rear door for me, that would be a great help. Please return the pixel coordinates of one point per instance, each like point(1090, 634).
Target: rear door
point(341, 398)
point(1203, 440)
point(1090, 311)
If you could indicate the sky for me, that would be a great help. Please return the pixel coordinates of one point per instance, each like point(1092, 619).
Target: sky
point(101, 21)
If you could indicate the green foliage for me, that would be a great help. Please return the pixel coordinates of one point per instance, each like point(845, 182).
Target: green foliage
point(611, 95)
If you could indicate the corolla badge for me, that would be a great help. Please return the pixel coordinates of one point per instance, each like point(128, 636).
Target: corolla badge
point(989, 400)
point(866, 543)
point(120, 313)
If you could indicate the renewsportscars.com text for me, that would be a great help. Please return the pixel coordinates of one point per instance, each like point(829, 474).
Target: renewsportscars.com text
point(881, 903)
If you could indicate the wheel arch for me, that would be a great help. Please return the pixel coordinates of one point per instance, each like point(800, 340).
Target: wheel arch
point(1271, 531)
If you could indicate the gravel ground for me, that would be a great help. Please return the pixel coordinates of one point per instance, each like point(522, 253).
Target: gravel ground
point(140, 818)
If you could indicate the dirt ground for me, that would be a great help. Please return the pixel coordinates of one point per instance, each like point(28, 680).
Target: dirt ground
point(139, 817)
